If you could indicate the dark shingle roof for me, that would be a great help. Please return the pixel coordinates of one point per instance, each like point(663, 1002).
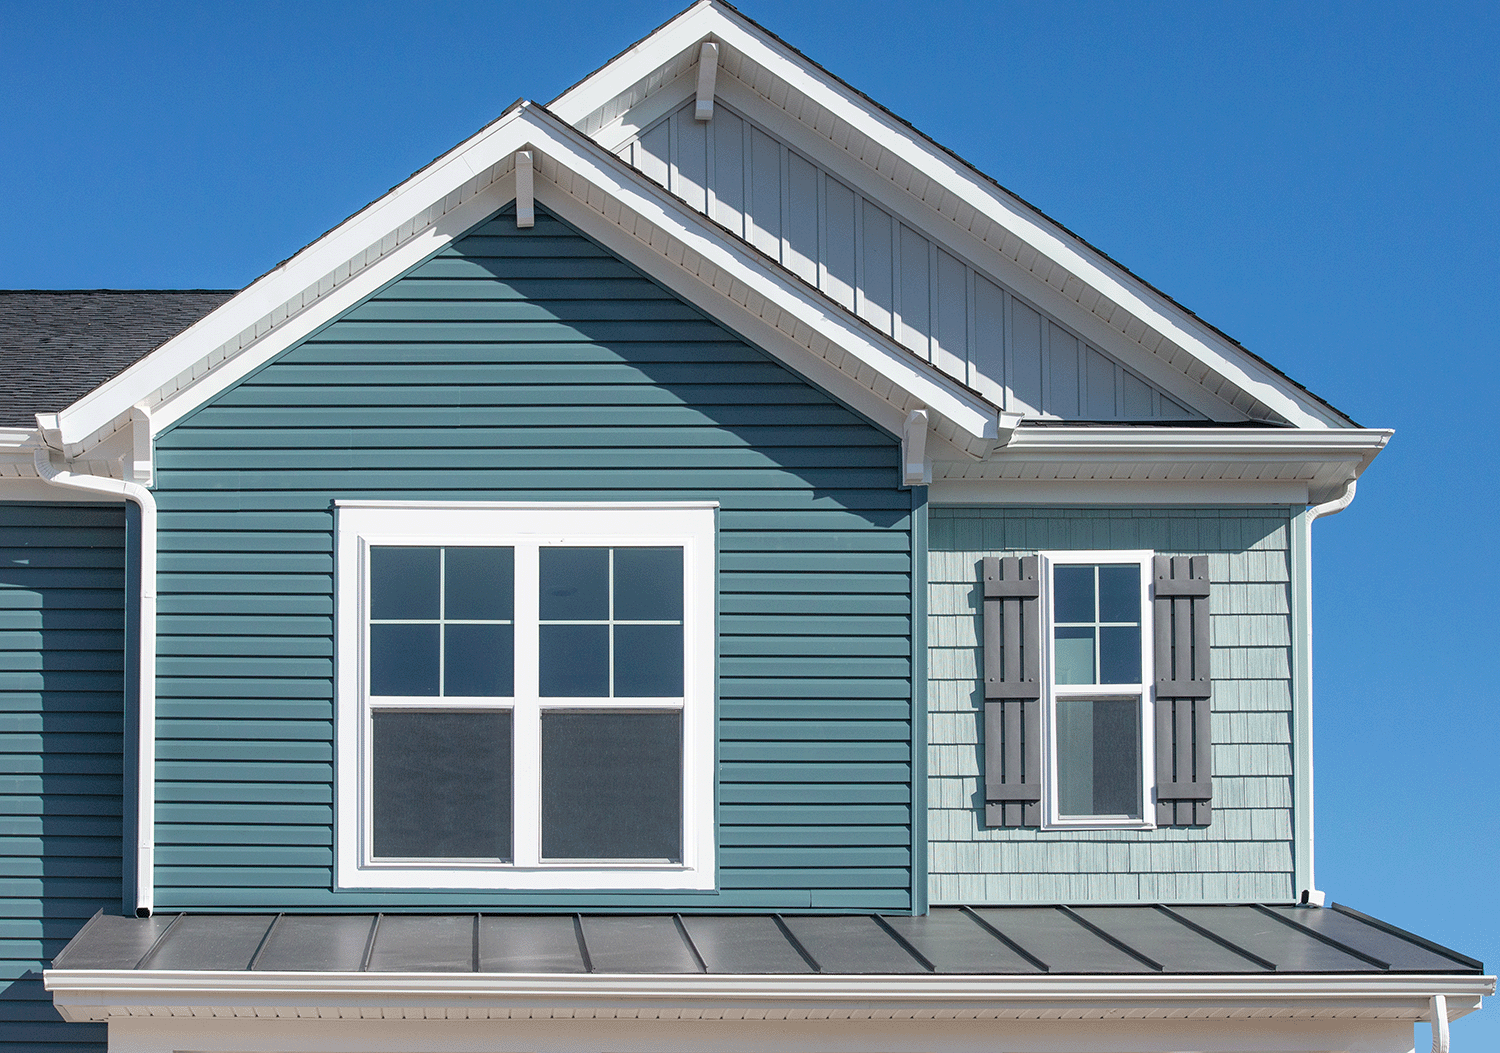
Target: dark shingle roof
point(58, 345)
point(982, 941)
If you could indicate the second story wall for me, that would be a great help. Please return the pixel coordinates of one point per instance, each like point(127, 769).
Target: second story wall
point(531, 365)
point(1246, 852)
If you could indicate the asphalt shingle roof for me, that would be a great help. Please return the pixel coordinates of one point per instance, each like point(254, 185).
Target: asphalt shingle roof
point(58, 345)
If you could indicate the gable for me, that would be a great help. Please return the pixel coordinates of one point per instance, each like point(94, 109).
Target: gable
point(896, 277)
point(534, 365)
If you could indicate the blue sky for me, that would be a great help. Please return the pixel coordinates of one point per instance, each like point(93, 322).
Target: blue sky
point(1318, 180)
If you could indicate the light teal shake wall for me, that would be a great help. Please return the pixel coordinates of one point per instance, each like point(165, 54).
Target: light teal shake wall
point(62, 643)
point(1246, 853)
point(533, 365)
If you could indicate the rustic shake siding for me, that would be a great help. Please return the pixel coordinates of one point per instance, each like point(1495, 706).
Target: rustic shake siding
point(1246, 853)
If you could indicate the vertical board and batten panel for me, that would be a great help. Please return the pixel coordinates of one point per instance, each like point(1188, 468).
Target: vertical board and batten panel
point(899, 280)
point(1246, 853)
point(534, 365)
point(62, 645)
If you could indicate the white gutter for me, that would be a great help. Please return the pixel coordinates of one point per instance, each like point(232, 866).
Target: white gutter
point(145, 808)
point(82, 994)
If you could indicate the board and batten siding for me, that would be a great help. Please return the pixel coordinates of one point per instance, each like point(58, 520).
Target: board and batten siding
point(899, 280)
point(62, 645)
point(1246, 853)
point(534, 365)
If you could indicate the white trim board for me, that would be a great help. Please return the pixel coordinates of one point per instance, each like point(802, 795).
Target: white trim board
point(651, 230)
point(869, 137)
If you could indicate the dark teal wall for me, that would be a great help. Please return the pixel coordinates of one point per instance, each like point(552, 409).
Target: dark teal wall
point(61, 694)
point(533, 365)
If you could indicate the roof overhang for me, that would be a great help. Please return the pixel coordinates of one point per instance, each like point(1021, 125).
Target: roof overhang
point(92, 995)
point(585, 185)
point(1163, 465)
point(1039, 256)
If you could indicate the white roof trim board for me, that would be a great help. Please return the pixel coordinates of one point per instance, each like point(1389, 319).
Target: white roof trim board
point(723, 275)
point(876, 141)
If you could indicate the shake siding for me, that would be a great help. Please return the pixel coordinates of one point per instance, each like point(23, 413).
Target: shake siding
point(533, 365)
point(1246, 854)
point(62, 644)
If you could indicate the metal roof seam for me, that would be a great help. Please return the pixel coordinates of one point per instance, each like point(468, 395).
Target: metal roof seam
point(63, 954)
point(688, 940)
point(1321, 937)
point(1264, 963)
point(1113, 941)
point(265, 938)
point(905, 944)
point(160, 937)
point(364, 962)
point(583, 947)
point(1012, 944)
point(812, 963)
point(1410, 937)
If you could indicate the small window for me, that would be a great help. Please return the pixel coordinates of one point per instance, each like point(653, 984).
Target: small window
point(525, 696)
point(1098, 672)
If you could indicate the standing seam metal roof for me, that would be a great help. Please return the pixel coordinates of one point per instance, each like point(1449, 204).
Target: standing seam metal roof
point(1058, 940)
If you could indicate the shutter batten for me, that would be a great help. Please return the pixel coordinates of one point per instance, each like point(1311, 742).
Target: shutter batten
point(1184, 685)
point(1012, 692)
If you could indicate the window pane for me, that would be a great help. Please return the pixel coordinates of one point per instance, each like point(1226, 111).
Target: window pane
point(403, 582)
point(574, 583)
point(478, 660)
point(1098, 757)
point(1120, 593)
point(1120, 654)
point(612, 785)
point(479, 583)
point(1075, 655)
point(648, 661)
point(403, 659)
point(441, 785)
point(574, 661)
point(648, 584)
point(1073, 594)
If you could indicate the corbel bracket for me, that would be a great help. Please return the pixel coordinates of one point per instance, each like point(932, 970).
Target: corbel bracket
point(915, 468)
point(708, 70)
point(525, 191)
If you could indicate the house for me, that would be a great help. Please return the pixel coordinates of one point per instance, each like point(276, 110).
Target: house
point(697, 566)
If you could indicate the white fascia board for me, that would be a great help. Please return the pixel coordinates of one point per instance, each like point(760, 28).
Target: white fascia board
point(90, 994)
point(1150, 307)
point(741, 276)
point(389, 231)
point(745, 277)
point(1359, 445)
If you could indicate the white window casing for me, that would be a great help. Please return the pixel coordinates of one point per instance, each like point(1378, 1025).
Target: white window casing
point(525, 527)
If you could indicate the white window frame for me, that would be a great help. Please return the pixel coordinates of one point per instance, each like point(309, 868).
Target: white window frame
point(1052, 817)
point(526, 527)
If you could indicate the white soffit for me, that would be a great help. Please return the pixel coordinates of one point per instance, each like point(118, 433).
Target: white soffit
point(1019, 245)
point(588, 187)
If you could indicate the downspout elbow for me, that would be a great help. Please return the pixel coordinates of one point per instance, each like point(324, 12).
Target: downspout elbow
point(145, 831)
point(1337, 504)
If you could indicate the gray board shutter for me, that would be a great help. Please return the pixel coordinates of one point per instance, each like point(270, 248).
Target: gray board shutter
point(1184, 783)
point(1012, 692)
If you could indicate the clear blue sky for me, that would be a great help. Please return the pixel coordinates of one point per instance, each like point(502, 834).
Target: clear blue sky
point(1318, 180)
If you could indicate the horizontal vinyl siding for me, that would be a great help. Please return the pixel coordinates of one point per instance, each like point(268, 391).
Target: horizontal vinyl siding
point(1246, 853)
point(532, 365)
point(62, 645)
point(897, 279)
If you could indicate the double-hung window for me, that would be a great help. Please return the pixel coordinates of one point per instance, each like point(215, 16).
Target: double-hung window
point(526, 695)
point(1098, 660)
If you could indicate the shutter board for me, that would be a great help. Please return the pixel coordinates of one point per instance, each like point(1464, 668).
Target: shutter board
point(1184, 747)
point(1012, 691)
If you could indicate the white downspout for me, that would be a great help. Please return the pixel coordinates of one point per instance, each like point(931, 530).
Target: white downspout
point(1311, 895)
point(145, 809)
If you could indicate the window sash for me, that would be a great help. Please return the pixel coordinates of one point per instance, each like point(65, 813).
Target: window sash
point(527, 529)
point(1138, 692)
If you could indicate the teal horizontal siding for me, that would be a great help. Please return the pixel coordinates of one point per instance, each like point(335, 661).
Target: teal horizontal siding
point(535, 366)
point(61, 718)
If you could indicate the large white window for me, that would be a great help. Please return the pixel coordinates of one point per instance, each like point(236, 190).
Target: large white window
point(1098, 675)
point(526, 695)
